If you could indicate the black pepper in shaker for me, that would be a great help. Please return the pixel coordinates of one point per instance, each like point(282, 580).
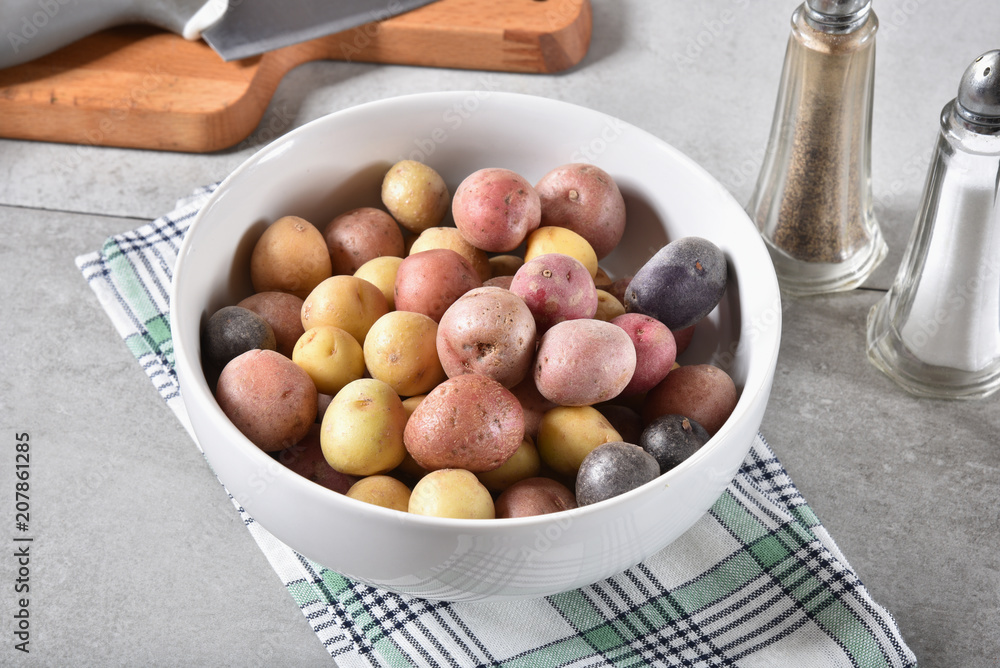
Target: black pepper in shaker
point(813, 200)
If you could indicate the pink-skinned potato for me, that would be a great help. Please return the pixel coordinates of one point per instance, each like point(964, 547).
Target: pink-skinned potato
point(534, 496)
point(584, 362)
point(281, 310)
point(701, 392)
point(468, 422)
point(495, 209)
point(269, 398)
point(655, 350)
point(584, 198)
point(359, 235)
point(555, 287)
point(430, 281)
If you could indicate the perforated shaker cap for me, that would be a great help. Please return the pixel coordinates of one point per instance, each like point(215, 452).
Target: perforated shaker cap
point(979, 91)
point(837, 15)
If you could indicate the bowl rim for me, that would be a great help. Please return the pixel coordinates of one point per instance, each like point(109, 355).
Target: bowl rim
point(199, 390)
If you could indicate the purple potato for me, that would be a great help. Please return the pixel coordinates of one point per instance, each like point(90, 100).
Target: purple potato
point(671, 439)
point(612, 469)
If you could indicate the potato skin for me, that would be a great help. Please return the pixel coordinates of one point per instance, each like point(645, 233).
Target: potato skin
point(451, 238)
point(231, 331)
point(495, 209)
point(359, 235)
point(347, 302)
point(567, 434)
point(331, 356)
point(534, 496)
point(362, 430)
point(489, 331)
point(283, 312)
point(454, 493)
point(400, 351)
point(381, 272)
point(551, 239)
point(430, 281)
point(415, 195)
point(701, 392)
point(655, 351)
point(585, 199)
point(584, 362)
point(555, 287)
point(469, 422)
point(268, 397)
point(290, 256)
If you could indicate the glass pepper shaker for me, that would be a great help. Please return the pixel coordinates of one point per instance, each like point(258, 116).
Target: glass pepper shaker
point(813, 198)
point(937, 331)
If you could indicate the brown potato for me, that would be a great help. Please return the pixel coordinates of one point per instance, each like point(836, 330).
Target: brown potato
point(534, 496)
point(701, 392)
point(281, 310)
point(469, 422)
point(268, 397)
point(290, 256)
point(359, 235)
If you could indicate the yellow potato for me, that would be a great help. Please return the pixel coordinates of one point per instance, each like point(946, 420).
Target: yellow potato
point(331, 357)
point(453, 493)
point(351, 303)
point(290, 256)
point(561, 240)
point(362, 429)
point(567, 434)
point(415, 195)
point(524, 463)
point(381, 490)
point(401, 350)
point(381, 272)
point(452, 239)
point(608, 306)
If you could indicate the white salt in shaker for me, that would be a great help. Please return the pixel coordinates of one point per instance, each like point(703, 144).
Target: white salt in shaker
point(937, 330)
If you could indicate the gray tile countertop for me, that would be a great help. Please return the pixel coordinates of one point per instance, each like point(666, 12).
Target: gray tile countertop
point(140, 557)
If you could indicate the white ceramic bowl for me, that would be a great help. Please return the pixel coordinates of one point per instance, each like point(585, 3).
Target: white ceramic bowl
point(336, 163)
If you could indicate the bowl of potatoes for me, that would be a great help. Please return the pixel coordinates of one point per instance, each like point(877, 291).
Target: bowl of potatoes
point(474, 345)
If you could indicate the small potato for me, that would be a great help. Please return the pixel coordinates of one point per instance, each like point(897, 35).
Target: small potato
point(381, 490)
point(400, 350)
point(362, 431)
point(290, 256)
point(283, 312)
point(625, 419)
point(451, 238)
point(608, 308)
point(534, 496)
point(555, 287)
point(231, 331)
point(359, 235)
point(381, 272)
point(495, 209)
point(568, 433)
point(269, 398)
point(505, 265)
point(584, 362)
point(683, 338)
point(561, 240)
point(499, 282)
point(524, 463)
point(415, 195)
point(349, 303)
point(331, 356)
point(430, 281)
point(612, 469)
point(532, 403)
point(701, 392)
point(489, 331)
point(470, 422)
point(454, 493)
point(655, 350)
point(585, 199)
point(306, 458)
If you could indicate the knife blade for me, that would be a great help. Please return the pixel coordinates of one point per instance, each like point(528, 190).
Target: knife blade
point(235, 29)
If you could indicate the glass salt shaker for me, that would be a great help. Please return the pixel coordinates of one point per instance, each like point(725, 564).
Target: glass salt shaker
point(937, 331)
point(813, 198)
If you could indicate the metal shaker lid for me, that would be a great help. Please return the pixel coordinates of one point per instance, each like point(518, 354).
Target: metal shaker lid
point(979, 91)
point(837, 15)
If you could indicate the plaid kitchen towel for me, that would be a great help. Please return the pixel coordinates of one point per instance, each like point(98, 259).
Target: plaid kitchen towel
point(757, 582)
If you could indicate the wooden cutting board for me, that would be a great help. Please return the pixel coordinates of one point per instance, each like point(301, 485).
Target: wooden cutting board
point(140, 87)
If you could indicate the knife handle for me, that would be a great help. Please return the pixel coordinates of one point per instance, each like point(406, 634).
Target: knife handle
point(33, 28)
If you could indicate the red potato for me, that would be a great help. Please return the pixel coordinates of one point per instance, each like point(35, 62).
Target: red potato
point(583, 362)
point(683, 337)
point(655, 350)
point(532, 403)
point(489, 331)
point(469, 422)
point(430, 281)
point(360, 235)
point(495, 209)
point(534, 496)
point(584, 198)
point(282, 311)
point(555, 287)
point(701, 392)
point(269, 398)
